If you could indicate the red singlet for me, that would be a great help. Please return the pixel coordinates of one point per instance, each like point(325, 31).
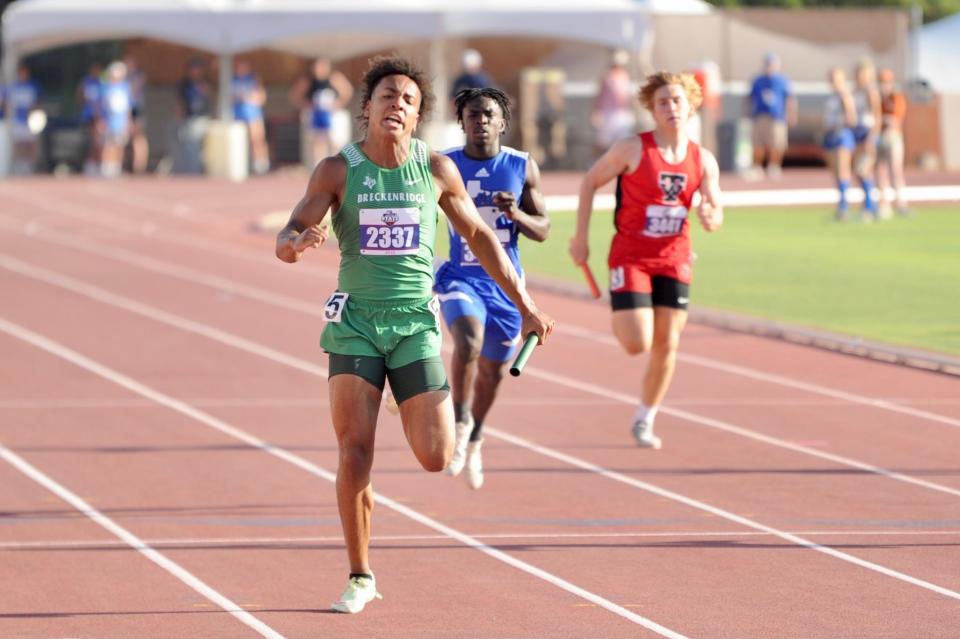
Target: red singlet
point(651, 215)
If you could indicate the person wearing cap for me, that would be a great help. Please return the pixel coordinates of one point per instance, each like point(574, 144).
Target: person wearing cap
point(773, 108)
point(472, 75)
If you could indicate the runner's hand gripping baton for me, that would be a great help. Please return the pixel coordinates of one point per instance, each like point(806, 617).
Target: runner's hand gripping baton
point(528, 345)
point(591, 282)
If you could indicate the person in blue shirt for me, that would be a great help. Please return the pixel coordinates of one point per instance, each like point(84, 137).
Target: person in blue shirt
point(88, 97)
point(772, 108)
point(505, 186)
point(323, 92)
point(24, 95)
point(248, 99)
point(116, 101)
point(472, 75)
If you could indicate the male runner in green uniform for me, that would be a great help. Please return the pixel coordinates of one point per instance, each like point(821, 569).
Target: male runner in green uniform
point(382, 320)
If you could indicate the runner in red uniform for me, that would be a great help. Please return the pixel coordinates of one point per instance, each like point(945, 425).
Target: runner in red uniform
point(657, 174)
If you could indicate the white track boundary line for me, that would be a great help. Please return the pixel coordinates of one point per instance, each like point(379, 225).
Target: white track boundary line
point(570, 460)
point(234, 341)
point(183, 408)
point(187, 410)
point(771, 378)
point(174, 542)
point(585, 333)
point(719, 512)
point(136, 543)
point(71, 210)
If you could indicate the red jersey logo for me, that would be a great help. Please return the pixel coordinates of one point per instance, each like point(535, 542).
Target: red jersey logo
point(672, 185)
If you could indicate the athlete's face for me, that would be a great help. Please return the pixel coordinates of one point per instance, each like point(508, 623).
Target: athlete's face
point(483, 121)
point(671, 108)
point(394, 106)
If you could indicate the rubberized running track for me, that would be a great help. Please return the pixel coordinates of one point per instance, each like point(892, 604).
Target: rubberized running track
point(166, 459)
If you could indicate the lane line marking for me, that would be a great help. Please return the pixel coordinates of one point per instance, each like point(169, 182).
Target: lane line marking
point(526, 444)
point(187, 410)
point(81, 544)
point(137, 544)
point(569, 329)
point(150, 312)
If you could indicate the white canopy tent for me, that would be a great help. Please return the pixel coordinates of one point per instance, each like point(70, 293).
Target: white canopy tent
point(332, 28)
point(940, 53)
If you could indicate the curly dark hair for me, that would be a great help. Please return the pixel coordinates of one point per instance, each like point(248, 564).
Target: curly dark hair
point(466, 96)
point(384, 66)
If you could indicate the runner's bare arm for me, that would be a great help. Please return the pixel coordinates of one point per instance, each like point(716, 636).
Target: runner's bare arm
point(463, 216)
point(710, 210)
point(304, 230)
point(622, 157)
point(531, 214)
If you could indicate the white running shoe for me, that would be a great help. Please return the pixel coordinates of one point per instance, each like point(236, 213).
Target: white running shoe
point(360, 591)
point(462, 431)
point(474, 465)
point(390, 403)
point(643, 433)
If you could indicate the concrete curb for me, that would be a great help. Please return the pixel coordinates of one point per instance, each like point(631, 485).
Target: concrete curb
point(835, 342)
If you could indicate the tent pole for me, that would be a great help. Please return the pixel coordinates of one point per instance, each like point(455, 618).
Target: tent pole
point(225, 94)
point(8, 76)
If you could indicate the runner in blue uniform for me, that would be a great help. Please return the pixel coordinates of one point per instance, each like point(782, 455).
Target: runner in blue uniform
point(505, 186)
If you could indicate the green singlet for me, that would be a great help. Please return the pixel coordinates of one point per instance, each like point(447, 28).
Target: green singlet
point(386, 227)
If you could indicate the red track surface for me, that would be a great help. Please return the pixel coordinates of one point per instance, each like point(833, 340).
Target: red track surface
point(190, 328)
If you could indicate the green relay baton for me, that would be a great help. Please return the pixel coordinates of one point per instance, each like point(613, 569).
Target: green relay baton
point(528, 345)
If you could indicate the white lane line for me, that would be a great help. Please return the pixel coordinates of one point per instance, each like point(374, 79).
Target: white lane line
point(99, 404)
point(771, 378)
point(594, 389)
point(719, 512)
point(268, 297)
point(183, 408)
point(136, 543)
point(184, 324)
point(228, 339)
point(144, 228)
point(101, 295)
point(168, 542)
point(574, 461)
point(281, 453)
point(565, 328)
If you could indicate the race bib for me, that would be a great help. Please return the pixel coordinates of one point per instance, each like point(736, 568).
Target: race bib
point(333, 309)
point(663, 221)
point(617, 279)
point(390, 231)
point(490, 215)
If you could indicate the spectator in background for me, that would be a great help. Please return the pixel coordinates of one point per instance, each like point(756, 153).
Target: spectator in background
point(472, 75)
point(772, 109)
point(194, 105)
point(248, 99)
point(116, 104)
point(323, 92)
point(23, 96)
point(866, 129)
point(139, 146)
point(614, 114)
point(893, 109)
point(707, 75)
point(88, 97)
point(838, 118)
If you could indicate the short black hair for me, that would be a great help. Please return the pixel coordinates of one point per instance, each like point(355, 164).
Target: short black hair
point(466, 96)
point(385, 66)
